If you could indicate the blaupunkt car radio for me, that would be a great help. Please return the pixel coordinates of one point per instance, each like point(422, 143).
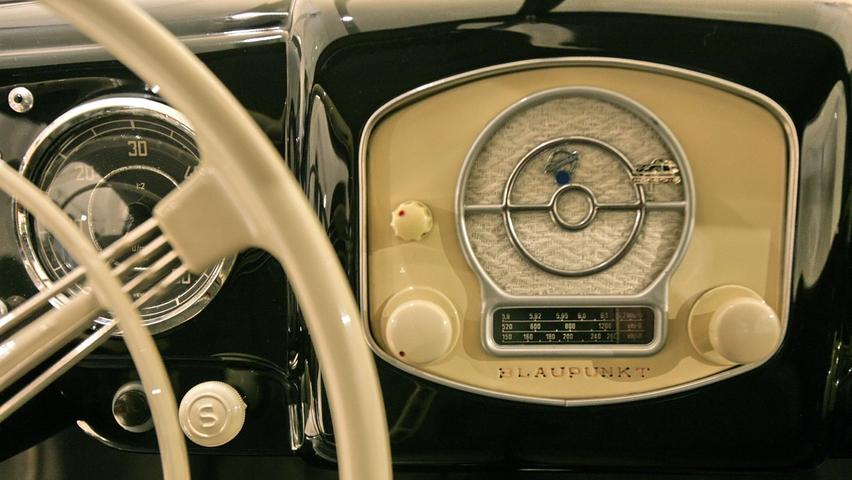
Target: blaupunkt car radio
point(585, 221)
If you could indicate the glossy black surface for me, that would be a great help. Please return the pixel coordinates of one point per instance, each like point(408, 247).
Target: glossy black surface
point(33, 35)
point(59, 459)
point(90, 387)
point(788, 413)
point(246, 323)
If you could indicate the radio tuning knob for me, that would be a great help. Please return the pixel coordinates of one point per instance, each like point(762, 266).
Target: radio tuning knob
point(419, 331)
point(733, 325)
point(411, 220)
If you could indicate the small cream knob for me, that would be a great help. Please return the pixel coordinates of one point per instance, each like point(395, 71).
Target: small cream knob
point(411, 220)
point(732, 325)
point(419, 332)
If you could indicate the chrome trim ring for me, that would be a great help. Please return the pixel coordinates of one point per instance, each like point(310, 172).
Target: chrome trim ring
point(67, 122)
point(654, 296)
point(552, 207)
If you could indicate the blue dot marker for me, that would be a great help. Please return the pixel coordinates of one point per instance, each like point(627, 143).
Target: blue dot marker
point(563, 177)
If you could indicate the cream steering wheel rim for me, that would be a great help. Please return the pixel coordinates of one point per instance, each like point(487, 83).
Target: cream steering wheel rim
point(106, 288)
point(240, 162)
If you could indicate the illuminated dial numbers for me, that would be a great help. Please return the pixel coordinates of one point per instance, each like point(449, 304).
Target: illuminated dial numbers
point(574, 325)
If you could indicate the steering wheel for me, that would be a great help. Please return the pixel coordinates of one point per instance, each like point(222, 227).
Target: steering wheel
point(242, 196)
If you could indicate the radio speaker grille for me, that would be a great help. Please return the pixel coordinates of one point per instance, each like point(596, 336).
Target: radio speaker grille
point(512, 168)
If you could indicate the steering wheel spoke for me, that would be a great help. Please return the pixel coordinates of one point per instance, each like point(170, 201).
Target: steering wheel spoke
point(33, 332)
point(257, 203)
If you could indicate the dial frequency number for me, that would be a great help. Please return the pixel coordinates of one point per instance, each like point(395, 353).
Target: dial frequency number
point(574, 325)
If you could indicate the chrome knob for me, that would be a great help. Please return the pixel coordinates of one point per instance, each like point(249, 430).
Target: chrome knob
point(130, 408)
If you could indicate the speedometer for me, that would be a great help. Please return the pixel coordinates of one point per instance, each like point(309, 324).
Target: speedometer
point(106, 164)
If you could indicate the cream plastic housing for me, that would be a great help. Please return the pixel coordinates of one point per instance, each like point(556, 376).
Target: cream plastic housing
point(411, 220)
point(36, 341)
point(744, 206)
point(186, 219)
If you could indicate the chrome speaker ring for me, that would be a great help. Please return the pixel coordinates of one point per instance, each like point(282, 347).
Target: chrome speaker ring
point(552, 207)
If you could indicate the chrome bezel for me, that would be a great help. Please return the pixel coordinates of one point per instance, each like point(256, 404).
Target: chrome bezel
point(421, 92)
point(654, 296)
point(67, 122)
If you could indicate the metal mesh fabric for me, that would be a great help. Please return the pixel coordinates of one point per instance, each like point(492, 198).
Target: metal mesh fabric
point(516, 276)
point(601, 171)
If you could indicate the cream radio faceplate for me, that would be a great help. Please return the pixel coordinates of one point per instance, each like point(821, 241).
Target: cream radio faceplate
point(573, 207)
point(577, 231)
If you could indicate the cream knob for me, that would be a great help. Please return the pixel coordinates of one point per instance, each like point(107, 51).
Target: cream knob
point(212, 413)
point(411, 220)
point(419, 332)
point(732, 325)
point(744, 330)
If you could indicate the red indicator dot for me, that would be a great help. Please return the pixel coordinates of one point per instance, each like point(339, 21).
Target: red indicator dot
point(401, 353)
point(402, 213)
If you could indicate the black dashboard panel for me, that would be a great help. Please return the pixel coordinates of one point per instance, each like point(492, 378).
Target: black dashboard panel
point(313, 92)
point(778, 416)
point(233, 338)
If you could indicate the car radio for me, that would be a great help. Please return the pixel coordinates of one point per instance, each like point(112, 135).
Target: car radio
point(577, 231)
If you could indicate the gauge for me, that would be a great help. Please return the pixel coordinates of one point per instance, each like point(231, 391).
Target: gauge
point(106, 164)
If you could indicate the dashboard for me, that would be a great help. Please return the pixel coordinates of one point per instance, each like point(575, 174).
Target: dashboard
point(585, 236)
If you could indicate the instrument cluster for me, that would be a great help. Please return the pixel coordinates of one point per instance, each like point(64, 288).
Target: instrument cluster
point(107, 163)
point(106, 148)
